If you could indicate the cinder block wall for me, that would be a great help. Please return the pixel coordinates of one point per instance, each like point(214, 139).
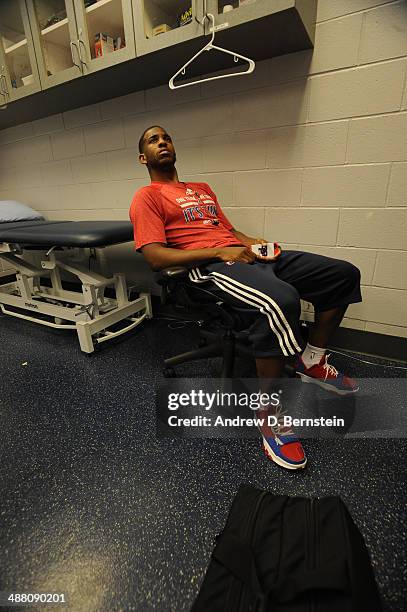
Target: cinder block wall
point(310, 150)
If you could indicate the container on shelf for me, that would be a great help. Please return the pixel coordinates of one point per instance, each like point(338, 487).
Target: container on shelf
point(161, 28)
point(103, 44)
point(28, 80)
point(185, 17)
point(55, 18)
point(224, 5)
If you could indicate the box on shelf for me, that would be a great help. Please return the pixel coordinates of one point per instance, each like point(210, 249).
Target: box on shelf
point(185, 17)
point(103, 44)
point(160, 29)
point(27, 80)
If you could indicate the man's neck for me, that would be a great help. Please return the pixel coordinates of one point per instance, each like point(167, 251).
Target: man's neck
point(164, 176)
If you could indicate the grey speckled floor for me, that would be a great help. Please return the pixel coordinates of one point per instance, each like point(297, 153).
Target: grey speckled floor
point(93, 505)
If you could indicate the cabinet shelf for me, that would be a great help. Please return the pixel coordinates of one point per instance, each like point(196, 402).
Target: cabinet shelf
point(18, 45)
point(167, 12)
point(55, 32)
point(97, 5)
point(105, 16)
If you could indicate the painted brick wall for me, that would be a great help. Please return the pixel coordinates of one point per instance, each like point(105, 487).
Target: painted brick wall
point(310, 150)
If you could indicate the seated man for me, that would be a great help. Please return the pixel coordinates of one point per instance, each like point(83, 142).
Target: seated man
point(178, 224)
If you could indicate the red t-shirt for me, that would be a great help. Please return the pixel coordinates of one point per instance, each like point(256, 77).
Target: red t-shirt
point(181, 215)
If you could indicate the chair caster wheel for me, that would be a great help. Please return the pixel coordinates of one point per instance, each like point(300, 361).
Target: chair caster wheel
point(169, 373)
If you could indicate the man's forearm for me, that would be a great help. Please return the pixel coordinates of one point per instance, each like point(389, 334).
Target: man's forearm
point(168, 257)
point(246, 240)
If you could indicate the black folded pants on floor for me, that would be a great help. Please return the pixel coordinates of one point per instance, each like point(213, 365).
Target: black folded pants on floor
point(288, 554)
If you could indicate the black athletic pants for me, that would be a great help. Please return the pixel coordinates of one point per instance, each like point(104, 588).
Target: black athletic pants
point(268, 294)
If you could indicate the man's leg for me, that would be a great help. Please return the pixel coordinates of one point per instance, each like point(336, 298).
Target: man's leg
point(270, 367)
point(325, 324)
point(280, 443)
point(273, 309)
point(330, 285)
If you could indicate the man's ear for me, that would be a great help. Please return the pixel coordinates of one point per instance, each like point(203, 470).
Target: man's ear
point(142, 159)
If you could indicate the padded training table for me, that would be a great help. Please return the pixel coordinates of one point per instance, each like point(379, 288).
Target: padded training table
point(82, 234)
point(87, 310)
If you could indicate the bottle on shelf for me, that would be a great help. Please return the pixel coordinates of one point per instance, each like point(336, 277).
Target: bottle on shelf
point(224, 6)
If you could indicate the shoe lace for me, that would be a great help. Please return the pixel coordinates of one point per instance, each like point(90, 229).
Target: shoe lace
point(279, 429)
point(329, 369)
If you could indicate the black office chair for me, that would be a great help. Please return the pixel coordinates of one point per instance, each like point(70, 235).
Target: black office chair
point(223, 331)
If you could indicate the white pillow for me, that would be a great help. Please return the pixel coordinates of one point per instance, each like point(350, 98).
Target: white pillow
point(15, 211)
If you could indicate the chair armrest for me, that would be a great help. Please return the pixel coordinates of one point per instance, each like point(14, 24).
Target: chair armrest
point(177, 273)
point(164, 276)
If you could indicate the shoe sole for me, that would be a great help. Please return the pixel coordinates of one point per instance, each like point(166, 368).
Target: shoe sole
point(273, 457)
point(327, 386)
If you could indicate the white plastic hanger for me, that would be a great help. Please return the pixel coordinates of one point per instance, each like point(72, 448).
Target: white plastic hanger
point(209, 47)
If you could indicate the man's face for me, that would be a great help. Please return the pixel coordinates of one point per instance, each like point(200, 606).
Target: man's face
point(158, 150)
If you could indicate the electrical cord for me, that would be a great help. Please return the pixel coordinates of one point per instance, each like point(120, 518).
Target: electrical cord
point(181, 324)
point(379, 365)
point(178, 323)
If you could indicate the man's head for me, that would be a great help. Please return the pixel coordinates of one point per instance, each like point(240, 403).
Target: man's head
point(156, 149)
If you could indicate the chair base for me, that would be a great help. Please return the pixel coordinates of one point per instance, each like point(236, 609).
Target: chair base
point(225, 346)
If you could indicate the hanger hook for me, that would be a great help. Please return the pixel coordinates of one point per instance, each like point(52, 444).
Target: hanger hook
point(209, 17)
point(236, 59)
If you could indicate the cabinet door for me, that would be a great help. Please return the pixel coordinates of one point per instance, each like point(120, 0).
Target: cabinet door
point(4, 92)
point(19, 73)
point(162, 23)
point(105, 33)
point(56, 40)
point(230, 13)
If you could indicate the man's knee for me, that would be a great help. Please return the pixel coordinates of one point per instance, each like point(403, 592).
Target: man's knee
point(349, 272)
point(287, 298)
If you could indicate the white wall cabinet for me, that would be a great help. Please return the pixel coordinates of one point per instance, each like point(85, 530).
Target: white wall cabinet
point(112, 18)
point(164, 23)
point(235, 12)
point(76, 37)
point(232, 13)
point(121, 46)
point(18, 66)
point(55, 37)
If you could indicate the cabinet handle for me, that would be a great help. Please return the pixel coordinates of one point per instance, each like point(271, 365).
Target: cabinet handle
point(4, 89)
point(80, 42)
point(77, 50)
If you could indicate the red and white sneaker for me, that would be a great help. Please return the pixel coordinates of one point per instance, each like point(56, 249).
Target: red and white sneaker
point(326, 376)
point(280, 443)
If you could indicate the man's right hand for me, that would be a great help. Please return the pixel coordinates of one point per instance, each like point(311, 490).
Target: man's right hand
point(241, 254)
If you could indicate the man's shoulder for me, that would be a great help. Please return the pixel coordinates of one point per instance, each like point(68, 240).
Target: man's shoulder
point(145, 199)
point(148, 190)
point(202, 186)
point(147, 193)
point(195, 184)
